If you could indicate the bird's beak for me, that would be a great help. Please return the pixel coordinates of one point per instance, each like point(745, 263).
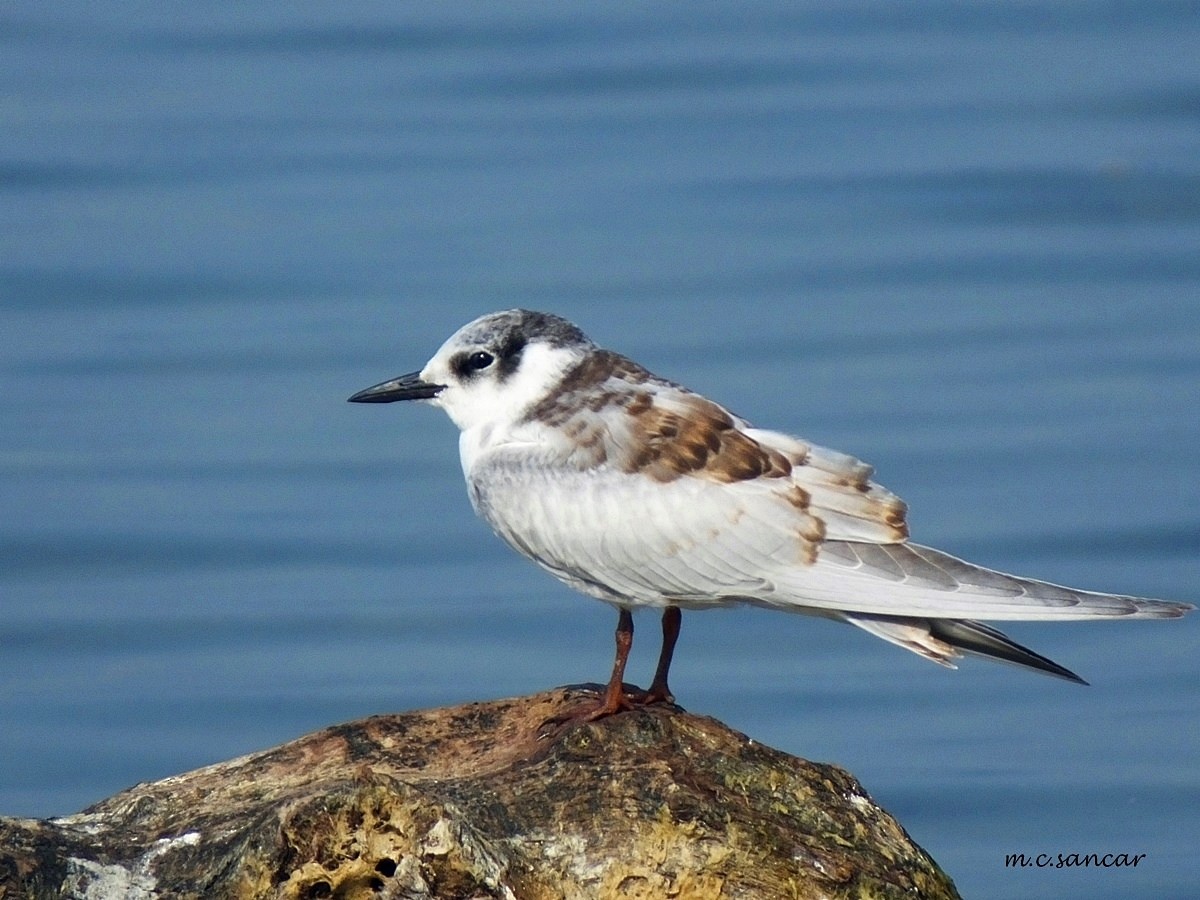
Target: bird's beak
point(406, 387)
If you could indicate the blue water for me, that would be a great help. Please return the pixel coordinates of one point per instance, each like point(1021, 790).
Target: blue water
point(960, 240)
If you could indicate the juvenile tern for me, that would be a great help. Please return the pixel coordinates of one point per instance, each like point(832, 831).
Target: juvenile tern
point(636, 491)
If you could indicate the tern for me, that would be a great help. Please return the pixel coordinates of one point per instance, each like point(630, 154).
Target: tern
point(639, 492)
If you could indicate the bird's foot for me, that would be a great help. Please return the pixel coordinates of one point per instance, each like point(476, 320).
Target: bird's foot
point(658, 693)
point(610, 703)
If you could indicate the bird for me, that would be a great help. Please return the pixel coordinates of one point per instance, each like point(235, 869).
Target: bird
point(638, 492)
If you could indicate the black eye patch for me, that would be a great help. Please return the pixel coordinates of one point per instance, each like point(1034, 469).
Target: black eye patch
point(509, 353)
point(466, 365)
point(505, 359)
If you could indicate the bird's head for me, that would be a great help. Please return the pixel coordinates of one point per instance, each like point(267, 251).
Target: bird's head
point(492, 369)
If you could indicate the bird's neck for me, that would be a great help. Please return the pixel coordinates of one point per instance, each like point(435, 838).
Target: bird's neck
point(477, 443)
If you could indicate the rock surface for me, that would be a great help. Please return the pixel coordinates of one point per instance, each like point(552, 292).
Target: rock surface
point(483, 801)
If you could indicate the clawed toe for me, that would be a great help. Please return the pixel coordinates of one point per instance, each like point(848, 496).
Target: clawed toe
point(610, 703)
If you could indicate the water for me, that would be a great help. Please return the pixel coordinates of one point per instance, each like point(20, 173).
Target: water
point(960, 240)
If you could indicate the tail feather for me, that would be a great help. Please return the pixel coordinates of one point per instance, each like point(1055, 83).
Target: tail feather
point(945, 640)
point(983, 640)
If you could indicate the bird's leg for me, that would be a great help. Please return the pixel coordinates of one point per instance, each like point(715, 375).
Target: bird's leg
point(614, 699)
point(659, 691)
point(614, 695)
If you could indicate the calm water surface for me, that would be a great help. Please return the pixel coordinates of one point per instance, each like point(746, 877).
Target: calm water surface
point(960, 240)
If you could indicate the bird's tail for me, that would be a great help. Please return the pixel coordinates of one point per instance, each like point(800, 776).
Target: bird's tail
point(946, 640)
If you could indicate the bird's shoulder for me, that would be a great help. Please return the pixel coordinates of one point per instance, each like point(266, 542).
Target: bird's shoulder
point(610, 411)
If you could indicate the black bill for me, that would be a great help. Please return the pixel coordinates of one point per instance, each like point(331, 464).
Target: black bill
point(406, 387)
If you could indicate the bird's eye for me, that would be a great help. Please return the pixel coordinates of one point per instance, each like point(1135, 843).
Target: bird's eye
point(479, 360)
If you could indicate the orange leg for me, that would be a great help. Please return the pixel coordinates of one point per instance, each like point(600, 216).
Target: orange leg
point(614, 700)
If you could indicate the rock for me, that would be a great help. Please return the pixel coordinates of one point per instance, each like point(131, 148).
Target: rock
point(479, 801)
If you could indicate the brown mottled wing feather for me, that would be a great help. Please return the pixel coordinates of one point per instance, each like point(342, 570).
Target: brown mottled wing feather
point(610, 410)
point(673, 435)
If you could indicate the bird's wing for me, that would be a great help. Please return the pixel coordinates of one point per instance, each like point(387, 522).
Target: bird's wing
point(631, 538)
point(907, 579)
point(635, 490)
